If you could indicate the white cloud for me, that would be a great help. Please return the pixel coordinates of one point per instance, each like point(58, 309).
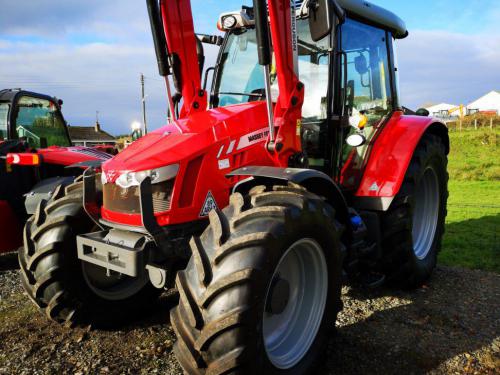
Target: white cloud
point(50, 46)
point(89, 78)
point(98, 76)
point(438, 66)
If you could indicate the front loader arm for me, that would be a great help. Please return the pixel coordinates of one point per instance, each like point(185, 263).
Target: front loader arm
point(181, 41)
point(288, 109)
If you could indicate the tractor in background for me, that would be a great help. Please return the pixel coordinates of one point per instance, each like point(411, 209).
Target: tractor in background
point(36, 156)
point(299, 168)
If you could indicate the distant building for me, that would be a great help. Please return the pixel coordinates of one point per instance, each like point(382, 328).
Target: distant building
point(90, 135)
point(489, 104)
point(441, 110)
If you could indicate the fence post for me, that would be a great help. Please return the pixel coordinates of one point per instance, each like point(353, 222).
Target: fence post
point(460, 125)
point(475, 123)
point(491, 123)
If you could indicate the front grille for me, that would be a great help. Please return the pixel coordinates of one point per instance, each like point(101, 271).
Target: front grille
point(127, 201)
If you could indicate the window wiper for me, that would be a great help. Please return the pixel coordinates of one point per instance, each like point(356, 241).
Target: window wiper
point(252, 95)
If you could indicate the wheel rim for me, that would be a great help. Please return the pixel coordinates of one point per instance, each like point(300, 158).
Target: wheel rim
point(113, 286)
point(289, 335)
point(425, 214)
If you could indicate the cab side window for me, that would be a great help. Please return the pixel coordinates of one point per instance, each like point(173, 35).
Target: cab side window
point(4, 113)
point(368, 77)
point(40, 123)
point(367, 93)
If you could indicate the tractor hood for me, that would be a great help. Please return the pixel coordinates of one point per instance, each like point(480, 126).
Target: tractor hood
point(187, 138)
point(70, 155)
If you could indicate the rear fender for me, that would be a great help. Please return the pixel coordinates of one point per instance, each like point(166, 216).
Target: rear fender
point(390, 157)
point(11, 231)
point(314, 181)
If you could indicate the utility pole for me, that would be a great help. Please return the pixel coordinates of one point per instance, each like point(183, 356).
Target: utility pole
point(144, 121)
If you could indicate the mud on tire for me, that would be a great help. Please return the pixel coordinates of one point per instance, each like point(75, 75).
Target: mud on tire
point(51, 272)
point(219, 319)
point(407, 261)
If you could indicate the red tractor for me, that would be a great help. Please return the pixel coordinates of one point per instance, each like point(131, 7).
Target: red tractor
point(298, 170)
point(35, 158)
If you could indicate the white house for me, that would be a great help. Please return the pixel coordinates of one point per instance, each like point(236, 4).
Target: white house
point(487, 103)
point(441, 110)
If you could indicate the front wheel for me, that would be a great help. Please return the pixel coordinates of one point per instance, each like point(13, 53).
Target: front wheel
point(67, 290)
point(262, 287)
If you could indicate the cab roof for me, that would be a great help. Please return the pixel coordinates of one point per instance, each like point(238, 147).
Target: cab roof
point(11, 95)
point(357, 9)
point(374, 14)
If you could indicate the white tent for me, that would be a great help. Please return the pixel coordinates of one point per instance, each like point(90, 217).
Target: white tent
point(486, 103)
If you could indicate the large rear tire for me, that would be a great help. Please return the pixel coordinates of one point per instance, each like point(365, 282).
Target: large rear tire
point(59, 284)
point(262, 287)
point(414, 225)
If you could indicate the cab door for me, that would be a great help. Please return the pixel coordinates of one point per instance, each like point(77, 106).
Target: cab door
point(367, 76)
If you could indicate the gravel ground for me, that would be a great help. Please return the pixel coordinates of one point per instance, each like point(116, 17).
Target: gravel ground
point(451, 326)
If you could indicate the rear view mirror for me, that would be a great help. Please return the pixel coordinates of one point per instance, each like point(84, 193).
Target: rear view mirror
point(322, 16)
point(361, 64)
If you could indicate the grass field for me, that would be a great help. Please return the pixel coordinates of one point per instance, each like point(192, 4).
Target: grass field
point(472, 236)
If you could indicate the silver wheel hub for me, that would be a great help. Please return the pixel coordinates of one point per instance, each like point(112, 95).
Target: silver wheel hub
point(295, 303)
point(425, 213)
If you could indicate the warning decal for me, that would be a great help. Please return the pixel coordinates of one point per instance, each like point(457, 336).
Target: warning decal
point(209, 205)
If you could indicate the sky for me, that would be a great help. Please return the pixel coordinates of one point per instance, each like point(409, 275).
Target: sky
point(91, 53)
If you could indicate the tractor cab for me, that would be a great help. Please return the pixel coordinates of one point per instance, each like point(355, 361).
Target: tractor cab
point(33, 118)
point(350, 78)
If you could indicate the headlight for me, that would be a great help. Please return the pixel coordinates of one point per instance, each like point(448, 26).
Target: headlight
point(128, 179)
point(229, 22)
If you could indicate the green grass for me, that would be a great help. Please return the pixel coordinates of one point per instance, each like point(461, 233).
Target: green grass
point(474, 155)
point(472, 236)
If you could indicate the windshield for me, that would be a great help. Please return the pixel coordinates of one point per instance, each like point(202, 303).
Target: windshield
point(4, 112)
point(241, 78)
point(41, 123)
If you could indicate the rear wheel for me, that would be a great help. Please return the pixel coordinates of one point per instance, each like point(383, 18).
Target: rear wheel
point(67, 290)
point(262, 287)
point(413, 227)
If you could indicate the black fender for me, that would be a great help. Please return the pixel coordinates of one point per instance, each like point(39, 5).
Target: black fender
point(315, 181)
point(43, 191)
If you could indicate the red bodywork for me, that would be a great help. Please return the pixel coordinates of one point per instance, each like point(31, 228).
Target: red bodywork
point(179, 31)
point(10, 226)
point(212, 143)
point(70, 155)
point(208, 144)
point(391, 154)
